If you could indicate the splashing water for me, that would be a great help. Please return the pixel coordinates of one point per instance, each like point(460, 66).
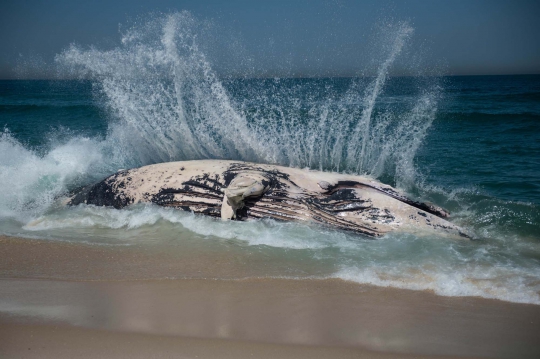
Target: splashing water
point(165, 103)
point(32, 182)
point(372, 92)
point(169, 104)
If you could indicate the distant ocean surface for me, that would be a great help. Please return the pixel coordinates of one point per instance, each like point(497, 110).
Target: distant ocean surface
point(468, 144)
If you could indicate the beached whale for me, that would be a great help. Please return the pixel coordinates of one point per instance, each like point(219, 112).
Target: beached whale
point(242, 191)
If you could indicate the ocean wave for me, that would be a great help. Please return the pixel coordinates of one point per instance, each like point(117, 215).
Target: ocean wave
point(509, 284)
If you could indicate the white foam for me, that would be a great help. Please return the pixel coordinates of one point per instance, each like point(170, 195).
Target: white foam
point(265, 232)
point(504, 283)
point(31, 181)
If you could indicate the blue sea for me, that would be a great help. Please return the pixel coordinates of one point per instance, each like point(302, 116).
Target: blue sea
point(470, 144)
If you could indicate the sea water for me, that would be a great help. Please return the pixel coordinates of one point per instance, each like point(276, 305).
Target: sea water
point(468, 144)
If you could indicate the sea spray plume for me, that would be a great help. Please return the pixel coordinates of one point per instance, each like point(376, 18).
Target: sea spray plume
point(412, 130)
point(167, 102)
point(343, 131)
point(340, 131)
point(395, 139)
point(361, 133)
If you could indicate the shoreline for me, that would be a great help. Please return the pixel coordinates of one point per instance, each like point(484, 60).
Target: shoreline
point(121, 295)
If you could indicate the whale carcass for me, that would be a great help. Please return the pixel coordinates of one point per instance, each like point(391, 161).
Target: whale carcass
point(242, 191)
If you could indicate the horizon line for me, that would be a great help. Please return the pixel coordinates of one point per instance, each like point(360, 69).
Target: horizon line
point(284, 77)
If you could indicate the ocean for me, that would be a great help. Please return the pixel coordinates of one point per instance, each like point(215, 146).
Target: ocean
point(470, 144)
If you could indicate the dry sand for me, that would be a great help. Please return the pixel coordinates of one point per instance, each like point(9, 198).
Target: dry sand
point(75, 300)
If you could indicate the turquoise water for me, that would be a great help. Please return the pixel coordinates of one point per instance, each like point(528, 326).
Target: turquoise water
point(468, 144)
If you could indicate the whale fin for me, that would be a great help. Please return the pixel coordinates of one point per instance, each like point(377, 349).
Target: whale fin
point(241, 187)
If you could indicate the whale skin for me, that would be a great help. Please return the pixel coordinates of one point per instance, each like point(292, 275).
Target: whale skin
point(236, 190)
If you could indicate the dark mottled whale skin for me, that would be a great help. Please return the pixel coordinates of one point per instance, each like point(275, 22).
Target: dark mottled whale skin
point(242, 191)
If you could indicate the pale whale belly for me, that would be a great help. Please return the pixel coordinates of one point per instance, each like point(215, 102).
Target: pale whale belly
point(242, 191)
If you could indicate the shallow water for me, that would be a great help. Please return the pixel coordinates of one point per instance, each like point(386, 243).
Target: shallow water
point(468, 144)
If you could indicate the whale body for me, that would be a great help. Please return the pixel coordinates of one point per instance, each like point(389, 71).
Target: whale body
point(236, 190)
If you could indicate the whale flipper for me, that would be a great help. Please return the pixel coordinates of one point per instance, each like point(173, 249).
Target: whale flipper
point(244, 185)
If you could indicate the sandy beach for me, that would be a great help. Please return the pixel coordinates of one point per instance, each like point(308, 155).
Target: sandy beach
point(60, 299)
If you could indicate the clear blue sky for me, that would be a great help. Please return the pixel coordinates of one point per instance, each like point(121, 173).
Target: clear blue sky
point(331, 37)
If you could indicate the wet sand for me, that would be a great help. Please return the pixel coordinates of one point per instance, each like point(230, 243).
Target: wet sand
point(67, 342)
point(77, 300)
